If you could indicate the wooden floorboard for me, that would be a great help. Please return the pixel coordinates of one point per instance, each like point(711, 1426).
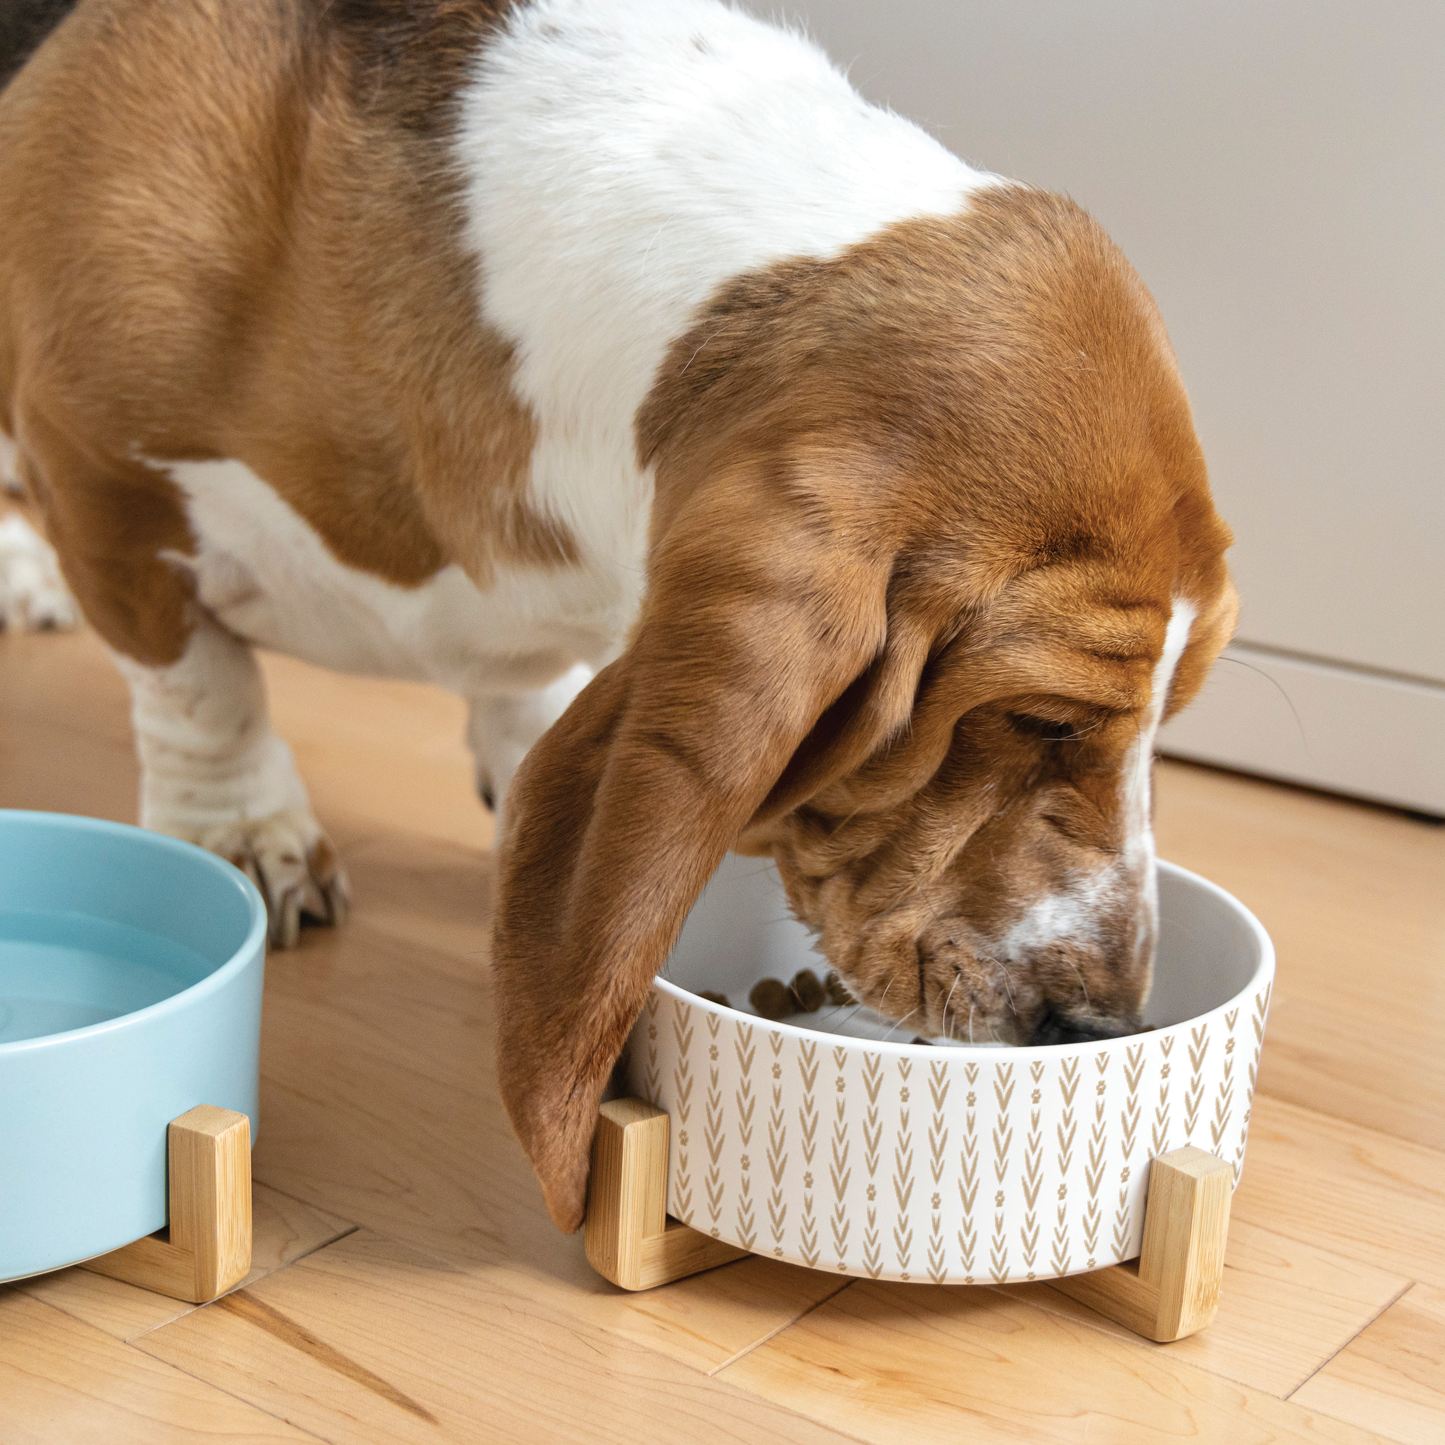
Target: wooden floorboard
point(1345, 1189)
point(63, 1380)
point(370, 1340)
point(1354, 898)
point(1393, 1375)
point(1284, 1307)
point(454, 1310)
point(927, 1363)
point(283, 1231)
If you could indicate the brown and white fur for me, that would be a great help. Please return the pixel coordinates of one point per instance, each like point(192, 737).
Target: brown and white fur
point(505, 345)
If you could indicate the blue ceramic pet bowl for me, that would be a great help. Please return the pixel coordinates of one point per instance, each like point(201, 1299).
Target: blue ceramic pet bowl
point(130, 991)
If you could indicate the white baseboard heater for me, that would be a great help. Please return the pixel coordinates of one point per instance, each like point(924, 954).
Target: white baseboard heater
point(1347, 730)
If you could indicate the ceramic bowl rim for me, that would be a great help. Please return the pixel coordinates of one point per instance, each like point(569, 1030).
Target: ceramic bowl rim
point(242, 957)
point(1263, 970)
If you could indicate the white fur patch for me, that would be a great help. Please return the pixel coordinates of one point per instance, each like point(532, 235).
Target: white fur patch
point(213, 773)
point(33, 595)
point(265, 572)
point(1138, 773)
point(501, 731)
point(1073, 912)
point(208, 756)
point(1139, 845)
point(622, 158)
point(625, 157)
point(512, 650)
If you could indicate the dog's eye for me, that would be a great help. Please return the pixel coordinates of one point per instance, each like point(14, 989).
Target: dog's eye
point(1042, 728)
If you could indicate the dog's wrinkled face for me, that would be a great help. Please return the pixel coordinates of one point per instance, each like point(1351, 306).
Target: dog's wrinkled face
point(933, 553)
point(1011, 897)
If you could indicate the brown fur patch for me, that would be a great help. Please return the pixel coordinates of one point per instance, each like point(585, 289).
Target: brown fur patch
point(110, 520)
point(410, 58)
point(215, 242)
point(921, 513)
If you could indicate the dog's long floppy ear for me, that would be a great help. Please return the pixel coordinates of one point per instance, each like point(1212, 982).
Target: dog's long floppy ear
point(757, 618)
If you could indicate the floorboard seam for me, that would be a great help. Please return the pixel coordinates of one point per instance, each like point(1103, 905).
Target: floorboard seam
point(80, 1319)
point(245, 1284)
point(231, 1394)
point(773, 1334)
point(200, 1379)
point(1097, 1323)
point(1373, 1318)
point(1436, 1282)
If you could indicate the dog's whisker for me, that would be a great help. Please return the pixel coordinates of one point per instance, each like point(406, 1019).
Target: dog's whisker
point(956, 977)
point(898, 1023)
point(1002, 967)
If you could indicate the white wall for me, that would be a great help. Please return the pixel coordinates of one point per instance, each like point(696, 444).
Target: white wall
point(1276, 171)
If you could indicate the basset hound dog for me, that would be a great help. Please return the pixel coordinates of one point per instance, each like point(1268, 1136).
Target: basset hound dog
point(765, 477)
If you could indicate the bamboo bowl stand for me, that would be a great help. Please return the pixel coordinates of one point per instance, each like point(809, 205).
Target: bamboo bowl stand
point(206, 1247)
point(1104, 1168)
point(131, 973)
point(1169, 1292)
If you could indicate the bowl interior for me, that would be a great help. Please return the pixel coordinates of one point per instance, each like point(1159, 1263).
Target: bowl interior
point(98, 920)
point(741, 930)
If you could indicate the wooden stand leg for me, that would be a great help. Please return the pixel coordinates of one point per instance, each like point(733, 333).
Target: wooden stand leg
point(1172, 1289)
point(630, 1239)
point(207, 1247)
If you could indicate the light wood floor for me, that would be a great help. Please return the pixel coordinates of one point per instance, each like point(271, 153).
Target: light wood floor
point(408, 1287)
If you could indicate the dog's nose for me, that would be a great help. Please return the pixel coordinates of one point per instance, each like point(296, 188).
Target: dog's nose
point(1055, 1028)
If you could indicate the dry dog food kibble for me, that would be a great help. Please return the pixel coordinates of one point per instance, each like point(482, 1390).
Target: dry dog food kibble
point(711, 997)
point(771, 999)
point(807, 992)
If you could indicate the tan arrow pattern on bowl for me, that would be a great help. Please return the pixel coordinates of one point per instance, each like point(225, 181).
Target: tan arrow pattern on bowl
point(1261, 1010)
point(903, 1172)
point(1159, 1138)
point(1065, 1133)
point(872, 1137)
point(1224, 1100)
point(1033, 1173)
point(968, 1175)
point(743, 1097)
point(1194, 1094)
point(808, 1145)
point(939, 1164)
point(777, 1149)
point(840, 1175)
point(938, 1087)
point(1003, 1134)
point(651, 1078)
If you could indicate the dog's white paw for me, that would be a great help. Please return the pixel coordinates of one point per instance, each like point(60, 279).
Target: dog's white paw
point(33, 595)
point(293, 864)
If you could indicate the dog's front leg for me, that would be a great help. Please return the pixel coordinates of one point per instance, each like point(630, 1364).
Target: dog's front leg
point(501, 729)
point(213, 773)
point(32, 593)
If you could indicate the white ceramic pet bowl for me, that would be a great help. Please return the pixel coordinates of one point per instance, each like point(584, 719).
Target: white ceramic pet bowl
point(949, 1163)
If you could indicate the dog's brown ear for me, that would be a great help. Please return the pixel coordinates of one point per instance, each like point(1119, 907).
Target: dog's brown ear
point(757, 619)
